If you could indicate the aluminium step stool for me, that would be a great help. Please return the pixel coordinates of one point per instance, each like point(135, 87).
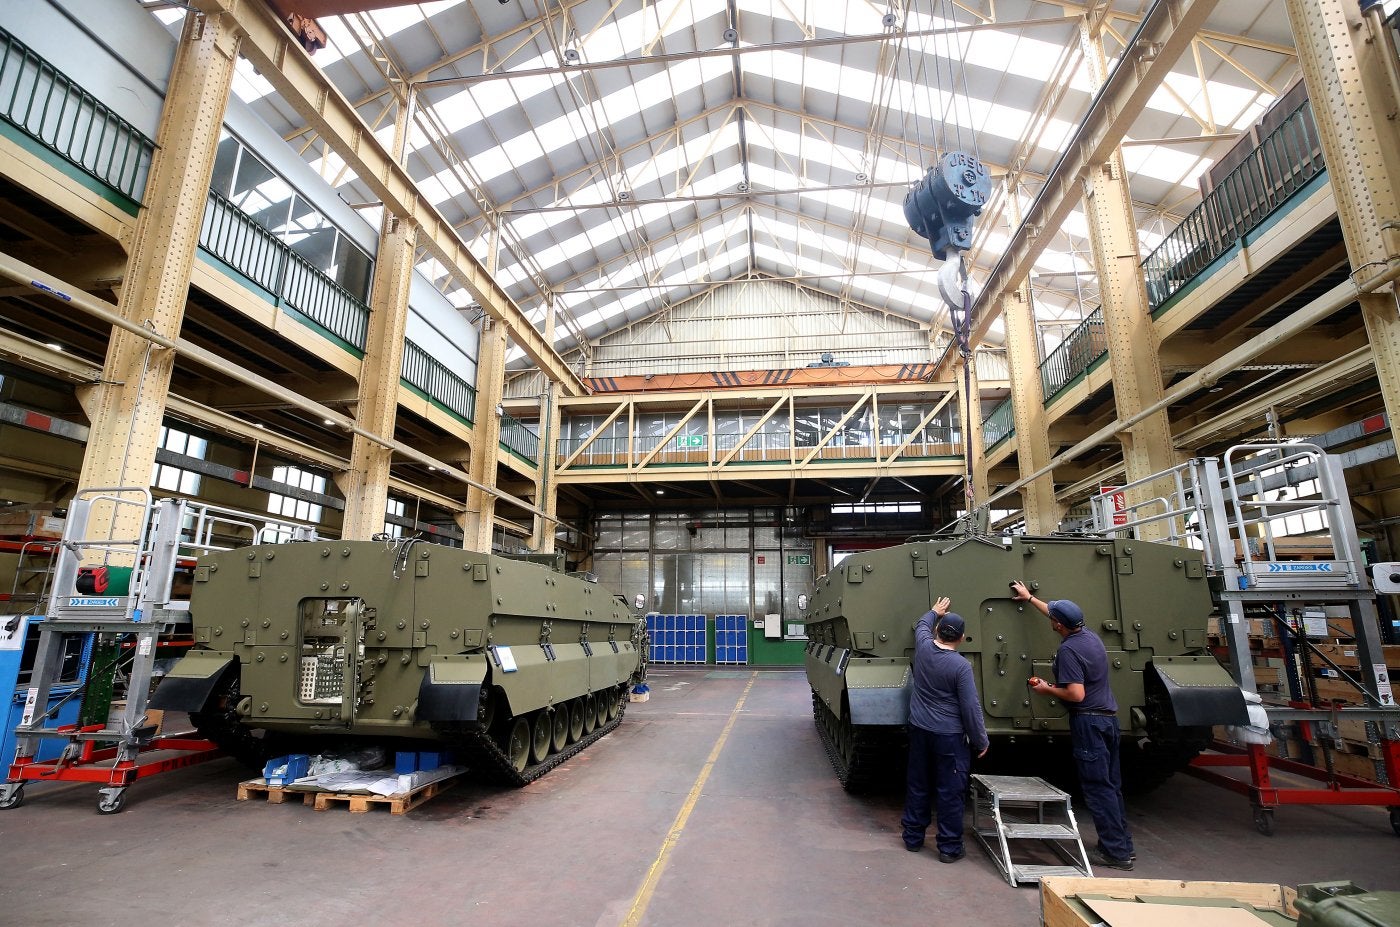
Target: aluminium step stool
point(1007, 808)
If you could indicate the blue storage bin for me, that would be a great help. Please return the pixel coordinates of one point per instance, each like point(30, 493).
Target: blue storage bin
point(431, 759)
point(296, 766)
point(405, 762)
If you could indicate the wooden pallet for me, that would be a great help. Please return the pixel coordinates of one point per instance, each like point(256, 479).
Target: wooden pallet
point(358, 804)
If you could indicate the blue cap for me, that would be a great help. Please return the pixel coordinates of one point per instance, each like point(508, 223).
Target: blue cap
point(950, 624)
point(1066, 612)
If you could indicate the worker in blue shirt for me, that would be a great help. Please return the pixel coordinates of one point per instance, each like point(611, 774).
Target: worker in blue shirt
point(945, 726)
point(1081, 683)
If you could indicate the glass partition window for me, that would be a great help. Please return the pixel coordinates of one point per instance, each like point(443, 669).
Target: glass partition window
point(262, 195)
point(712, 561)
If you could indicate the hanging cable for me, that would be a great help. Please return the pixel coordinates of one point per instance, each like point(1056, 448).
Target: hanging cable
point(962, 328)
point(943, 204)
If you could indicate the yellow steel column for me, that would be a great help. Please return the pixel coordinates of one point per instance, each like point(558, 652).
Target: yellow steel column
point(546, 491)
point(1028, 411)
point(1348, 68)
point(1132, 341)
point(490, 378)
point(366, 483)
point(546, 497)
point(127, 406)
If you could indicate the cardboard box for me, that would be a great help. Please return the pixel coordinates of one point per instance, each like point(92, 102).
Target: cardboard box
point(38, 521)
point(1061, 907)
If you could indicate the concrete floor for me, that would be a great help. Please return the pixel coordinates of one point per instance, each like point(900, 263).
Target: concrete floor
point(691, 813)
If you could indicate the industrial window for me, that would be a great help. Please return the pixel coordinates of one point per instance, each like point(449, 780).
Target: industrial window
point(175, 479)
point(290, 506)
point(865, 508)
point(395, 507)
point(1307, 521)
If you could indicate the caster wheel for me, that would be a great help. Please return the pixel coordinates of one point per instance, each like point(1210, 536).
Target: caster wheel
point(111, 805)
point(15, 798)
point(1264, 821)
point(1394, 820)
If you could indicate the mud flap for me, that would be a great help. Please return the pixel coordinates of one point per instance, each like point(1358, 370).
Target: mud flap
point(451, 689)
point(192, 680)
point(1200, 691)
point(879, 694)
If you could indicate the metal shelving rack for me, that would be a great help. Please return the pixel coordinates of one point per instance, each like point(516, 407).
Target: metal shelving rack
point(134, 618)
point(1227, 508)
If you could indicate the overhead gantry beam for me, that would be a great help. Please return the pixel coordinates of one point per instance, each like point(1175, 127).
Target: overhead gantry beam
point(278, 57)
point(1163, 37)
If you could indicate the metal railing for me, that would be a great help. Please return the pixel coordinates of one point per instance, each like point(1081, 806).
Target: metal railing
point(232, 236)
point(1282, 164)
point(1081, 347)
point(1001, 423)
point(602, 452)
point(517, 437)
point(764, 447)
point(421, 370)
point(45, 104)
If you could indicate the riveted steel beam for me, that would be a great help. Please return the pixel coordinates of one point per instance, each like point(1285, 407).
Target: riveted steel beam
point(1163, 37)
point(271, 48)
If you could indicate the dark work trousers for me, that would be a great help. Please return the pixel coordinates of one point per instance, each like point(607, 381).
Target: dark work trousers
point(938, 766)
point(1095, 740)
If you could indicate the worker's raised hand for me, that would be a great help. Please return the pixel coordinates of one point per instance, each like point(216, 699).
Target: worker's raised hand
point(941, 607)
point(1019, 592)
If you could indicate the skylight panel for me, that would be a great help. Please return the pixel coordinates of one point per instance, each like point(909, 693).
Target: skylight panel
point(595, 237)
point(1162, 161)
point(568, 128)
point(248, 85)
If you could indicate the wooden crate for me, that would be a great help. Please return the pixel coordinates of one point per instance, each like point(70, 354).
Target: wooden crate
point(1059, 909)
point(1330, 689)
point(1345, 655)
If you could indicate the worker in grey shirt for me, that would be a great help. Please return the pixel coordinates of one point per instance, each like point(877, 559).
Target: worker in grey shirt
point(945, 726)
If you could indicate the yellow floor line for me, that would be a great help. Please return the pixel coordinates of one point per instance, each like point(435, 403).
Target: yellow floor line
point(643, 898)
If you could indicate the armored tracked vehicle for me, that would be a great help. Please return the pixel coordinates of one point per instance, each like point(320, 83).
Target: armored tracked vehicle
point(512, 663)
point(1149, 603)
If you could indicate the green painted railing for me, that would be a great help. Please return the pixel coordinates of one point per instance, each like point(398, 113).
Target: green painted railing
point(1081, 347)
point(519, 438)
point(233, 237)
point(1001, 423)
point(1283, 163)
point(425, 372)
point(45, 104)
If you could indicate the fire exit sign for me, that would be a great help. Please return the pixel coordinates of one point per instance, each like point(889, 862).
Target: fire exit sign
point(799, 559)
point(690, 441)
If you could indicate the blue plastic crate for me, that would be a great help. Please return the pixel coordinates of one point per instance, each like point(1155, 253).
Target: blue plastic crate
point(405, 762)
point(284, 770)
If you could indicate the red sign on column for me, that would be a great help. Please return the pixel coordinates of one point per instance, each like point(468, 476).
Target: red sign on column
point(1120, 504)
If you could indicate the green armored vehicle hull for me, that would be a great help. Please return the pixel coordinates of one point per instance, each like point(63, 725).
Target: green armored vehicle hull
point(511, 662)
point(1149, 603)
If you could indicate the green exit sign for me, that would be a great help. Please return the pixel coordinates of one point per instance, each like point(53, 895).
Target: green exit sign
point(799, 559)
point(690, 441)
